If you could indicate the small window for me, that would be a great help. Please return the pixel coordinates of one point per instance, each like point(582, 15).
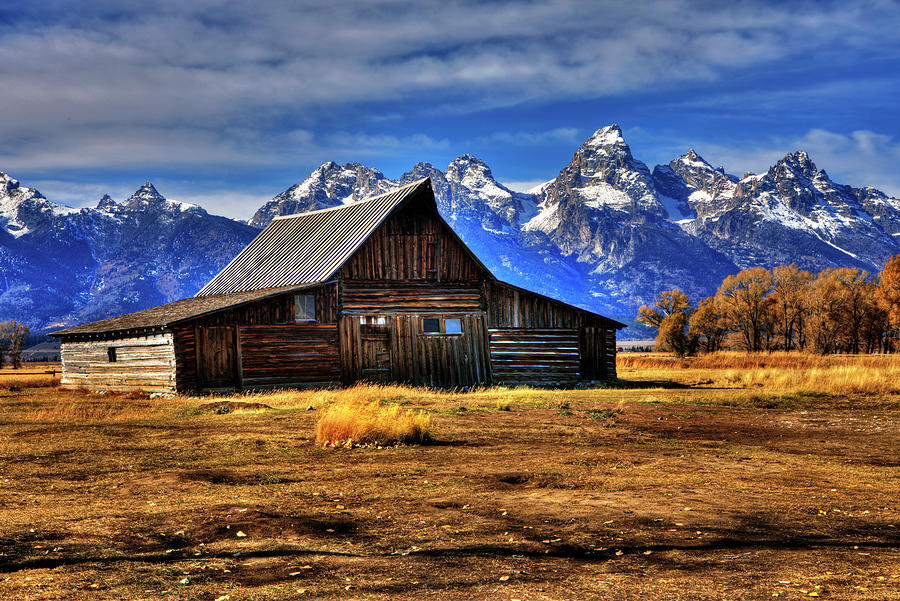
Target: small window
point(374, 320)
point(304, 307)
point(453, 326)
point(111, 354)
point(437, 325)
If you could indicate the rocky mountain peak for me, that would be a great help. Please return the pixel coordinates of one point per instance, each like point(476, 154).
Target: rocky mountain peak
point(799, 163)
point(330, 185)
point(611, 135)
point(698, 175)
point(106, 203)
point(606, 152)
point(8, 183)
point(144, 197)
point(473, 173)
point(147, 192)
point(604, 175)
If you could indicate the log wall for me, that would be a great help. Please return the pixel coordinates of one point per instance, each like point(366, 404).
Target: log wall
point(289, 355)
point(142, 363)
point(277, 311)
point(548, 357)
point(372, 296)
point(538, 340)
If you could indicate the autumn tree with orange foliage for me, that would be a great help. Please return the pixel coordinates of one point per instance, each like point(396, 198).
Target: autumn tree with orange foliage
point(838, 310)
point(669, 315)
point(888, 291)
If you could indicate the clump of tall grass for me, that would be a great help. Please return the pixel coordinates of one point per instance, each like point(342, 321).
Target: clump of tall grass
point(353, 421)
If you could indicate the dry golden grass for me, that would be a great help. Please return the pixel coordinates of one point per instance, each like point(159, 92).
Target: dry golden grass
point(779, 371)
point(12, 382)
point(353, 421)
point(78, 406)
point(30, 376)
point(739, 360)
point(674, 484)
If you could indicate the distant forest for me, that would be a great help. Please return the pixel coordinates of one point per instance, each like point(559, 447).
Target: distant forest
point(837, 310)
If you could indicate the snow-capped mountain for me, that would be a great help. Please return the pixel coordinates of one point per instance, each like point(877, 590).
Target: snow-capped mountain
point(607, 233)
point(328, 186)
point(60, 265)
point(604, 210)
point(793, 213)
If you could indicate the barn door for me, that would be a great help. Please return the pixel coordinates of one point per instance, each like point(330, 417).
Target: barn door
point(592, 348)
point(216, 356)
point(375, 352)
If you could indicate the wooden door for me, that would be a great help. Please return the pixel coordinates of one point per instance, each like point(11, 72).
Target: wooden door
point(592, 348)
point(216, 356)
point(375, 352)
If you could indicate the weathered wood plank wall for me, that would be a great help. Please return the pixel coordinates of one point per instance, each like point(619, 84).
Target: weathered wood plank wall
point(371, 296)
point(289, 355)
point(142, 363)
point(413, 244)
point(414, 356)
point(535, 356)
point(268, 312)
point(539, 340)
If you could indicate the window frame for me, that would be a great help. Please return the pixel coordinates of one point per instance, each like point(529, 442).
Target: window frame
point(442, 326)
point(310, 303)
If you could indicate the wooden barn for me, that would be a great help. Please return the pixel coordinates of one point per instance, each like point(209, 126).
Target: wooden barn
point(379, 290)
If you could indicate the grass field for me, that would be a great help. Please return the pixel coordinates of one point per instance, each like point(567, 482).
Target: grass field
point(727, 477)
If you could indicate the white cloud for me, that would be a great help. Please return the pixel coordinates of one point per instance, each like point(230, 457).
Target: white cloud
point(229, 74)
point(565, 135)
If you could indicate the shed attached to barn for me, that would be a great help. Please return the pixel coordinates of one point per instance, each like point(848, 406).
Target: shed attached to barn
point(379, 290)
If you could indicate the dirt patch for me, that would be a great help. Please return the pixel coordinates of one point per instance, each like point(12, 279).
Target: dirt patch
point(232, 406)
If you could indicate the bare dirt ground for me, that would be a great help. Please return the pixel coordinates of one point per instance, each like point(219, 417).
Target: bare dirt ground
point(663, 488)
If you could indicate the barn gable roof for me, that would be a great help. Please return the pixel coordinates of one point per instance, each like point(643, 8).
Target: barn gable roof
point(309, 247)
point(174, 312)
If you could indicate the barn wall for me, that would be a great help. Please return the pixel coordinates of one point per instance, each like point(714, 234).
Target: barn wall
point(393, 347)
point(289, 354)
point(374, 296)
point(413, 244)
point(278, 311)
point(535, 356)
point(142, 363)
point(535, 339)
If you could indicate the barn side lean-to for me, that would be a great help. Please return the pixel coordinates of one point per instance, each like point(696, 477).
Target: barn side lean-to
point(379, 290)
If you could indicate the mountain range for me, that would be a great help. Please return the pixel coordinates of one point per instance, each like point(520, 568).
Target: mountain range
point(608, 233)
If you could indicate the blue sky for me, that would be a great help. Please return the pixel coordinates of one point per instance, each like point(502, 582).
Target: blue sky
point(228, 103)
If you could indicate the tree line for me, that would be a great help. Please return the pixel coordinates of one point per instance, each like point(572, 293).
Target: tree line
point(837, 310)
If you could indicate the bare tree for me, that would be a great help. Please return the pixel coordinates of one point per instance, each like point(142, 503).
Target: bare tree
point(12, 337)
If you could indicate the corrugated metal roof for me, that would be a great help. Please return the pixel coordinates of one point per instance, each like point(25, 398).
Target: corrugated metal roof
point(307, 247)
point(173, 312)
